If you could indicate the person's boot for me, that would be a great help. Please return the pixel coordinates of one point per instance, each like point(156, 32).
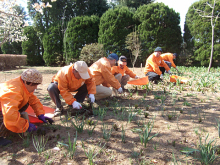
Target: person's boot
point(4, 142)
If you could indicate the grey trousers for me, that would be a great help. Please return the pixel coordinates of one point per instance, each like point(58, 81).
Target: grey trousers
point(55, 93)
point(168, 63)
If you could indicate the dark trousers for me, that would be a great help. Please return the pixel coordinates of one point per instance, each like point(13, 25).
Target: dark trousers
point(152, 76)
point(55, 93)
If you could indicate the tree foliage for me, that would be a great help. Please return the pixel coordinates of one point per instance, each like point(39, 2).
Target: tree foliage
point(159, 27)
point(32, 47)
point(133, 3)
point(53, 45)
point(134, 45)
point(115, 25)
point(91, 53)
point(81, 30)
point(198, 33)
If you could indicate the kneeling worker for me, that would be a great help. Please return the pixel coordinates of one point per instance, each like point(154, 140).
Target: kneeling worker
point(168, 59)
point(155, 66)
point(120, 71)
point(69, 79)
point(101, 71)
point(15, 97)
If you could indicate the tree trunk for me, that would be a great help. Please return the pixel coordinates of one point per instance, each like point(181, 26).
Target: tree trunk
point(210, 63)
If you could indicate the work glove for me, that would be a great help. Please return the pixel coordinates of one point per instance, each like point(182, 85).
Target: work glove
point(136, 77)
point(161, 76)
point(44, 118)
point(169, 72)
point(120, 90)
point(76, 105)
point(32, 127)
point(92, 98)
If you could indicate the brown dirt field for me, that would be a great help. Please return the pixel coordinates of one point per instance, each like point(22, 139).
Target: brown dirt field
point(193, 114)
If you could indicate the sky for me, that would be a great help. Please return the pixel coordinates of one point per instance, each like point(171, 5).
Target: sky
point(180, 6)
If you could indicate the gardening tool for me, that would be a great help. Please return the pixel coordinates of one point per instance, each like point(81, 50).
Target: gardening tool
point(174, 78)
point(140, 81)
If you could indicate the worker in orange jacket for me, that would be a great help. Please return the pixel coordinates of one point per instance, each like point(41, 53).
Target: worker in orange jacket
point(104, 79)
point(15, 97)
point(72, 78)
point(120, 71)
point(155, 66)
point(168, 59)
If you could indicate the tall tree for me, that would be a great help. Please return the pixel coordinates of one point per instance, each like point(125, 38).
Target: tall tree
point(159, 27)
point(200, 29)
point(213, 19)
point(133, 3)
point(81, 30)
point(115, 25)
point(53, 45)
point(32, 47)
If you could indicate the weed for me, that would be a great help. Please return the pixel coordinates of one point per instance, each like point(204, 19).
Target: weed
point(186, 103)
point(146, 114)
point(135, 154)
point(90, 154)
point(122, 134)
point(77, 125)
point(115, 127)
point(91, 129)
point(145, 136)
point(26, 139)
point(206, 151)
point(106, 133)
point(39, 144)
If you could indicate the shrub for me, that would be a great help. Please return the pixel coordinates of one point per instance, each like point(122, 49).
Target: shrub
point(91, 53)
point(15, 60)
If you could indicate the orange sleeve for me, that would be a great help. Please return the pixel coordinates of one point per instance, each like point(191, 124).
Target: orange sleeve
point(63, 88)
point(11, 116)
point(36, 105)
point(129, 72)
point(154, 65)
point(165, 65)
point(171, 60)
point(90, 84)
point(114, 70)
point(109, 77)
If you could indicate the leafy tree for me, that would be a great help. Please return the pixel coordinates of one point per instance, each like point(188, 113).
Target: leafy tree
point(91, 7)
point(32, 47)
point(133, 43)
point(115, 25)
point(200, 30)
point(81, 30)
point(91, 53)
point(159, 27)
point(11, 48)
point(133, 3)
point(53, 45)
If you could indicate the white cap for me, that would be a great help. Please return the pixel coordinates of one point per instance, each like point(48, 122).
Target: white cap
point(82, 68)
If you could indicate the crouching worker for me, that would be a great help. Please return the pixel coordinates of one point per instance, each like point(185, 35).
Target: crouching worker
point(168, 59)
point(72, 78)
point(15, 97)
point(155, 66)
point(104, 79)
point(120, 71)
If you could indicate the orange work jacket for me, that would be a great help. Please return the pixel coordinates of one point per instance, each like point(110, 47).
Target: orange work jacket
point(168, 57)
point(153, 63)
point(116, 69)
point(68, 83)
point(13, 96)
point(101, 71)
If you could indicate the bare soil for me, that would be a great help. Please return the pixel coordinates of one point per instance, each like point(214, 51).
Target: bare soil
point(193, 114)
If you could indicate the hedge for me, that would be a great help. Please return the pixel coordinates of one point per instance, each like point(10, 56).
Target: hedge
point(12, 60)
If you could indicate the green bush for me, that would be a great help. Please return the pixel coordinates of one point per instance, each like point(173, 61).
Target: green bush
point(91, 53)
